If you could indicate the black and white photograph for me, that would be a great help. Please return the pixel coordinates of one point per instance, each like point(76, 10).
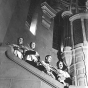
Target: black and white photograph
point(43, 44)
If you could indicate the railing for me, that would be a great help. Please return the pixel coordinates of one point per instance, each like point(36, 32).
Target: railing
point(41, 75)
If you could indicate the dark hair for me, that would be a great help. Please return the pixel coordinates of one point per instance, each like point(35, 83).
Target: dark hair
point(18, 39)
point(46, 57)
point(68, 80)
point(64, 67)
point(31, 44)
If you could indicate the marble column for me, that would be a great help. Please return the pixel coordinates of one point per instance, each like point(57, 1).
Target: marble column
point(79, 66)
point(67, 53)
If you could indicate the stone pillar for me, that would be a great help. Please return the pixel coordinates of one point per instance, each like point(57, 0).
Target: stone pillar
point(79, 65)
point(67, 53)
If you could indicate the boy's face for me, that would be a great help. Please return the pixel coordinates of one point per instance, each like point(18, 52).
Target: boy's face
point(61, 65)
point(33, 45)
point(21, 41)
point(49, 59)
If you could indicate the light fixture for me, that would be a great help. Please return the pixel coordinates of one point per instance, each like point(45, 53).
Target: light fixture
point(67, 56)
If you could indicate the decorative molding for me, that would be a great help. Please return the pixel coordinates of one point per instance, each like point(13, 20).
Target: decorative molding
point(66, 13)
point(79, 16)
point(79, 67)
point(62, 5)
point(27, 25)
point(48, 14)
point(45, 23)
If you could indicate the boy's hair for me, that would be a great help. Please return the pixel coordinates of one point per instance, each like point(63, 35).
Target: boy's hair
point(64, 67)
point(19, 38)
point(31, 43)
point(46, 57)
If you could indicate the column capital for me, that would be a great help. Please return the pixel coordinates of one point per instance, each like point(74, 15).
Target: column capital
point(66, 13)
point(79, 16)
point(67, 48)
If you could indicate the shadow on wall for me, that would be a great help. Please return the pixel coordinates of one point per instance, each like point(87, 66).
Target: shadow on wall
point(16, 26)
point(0, 44)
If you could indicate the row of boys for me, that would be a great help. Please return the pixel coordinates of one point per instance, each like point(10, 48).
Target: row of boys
point(31, 56)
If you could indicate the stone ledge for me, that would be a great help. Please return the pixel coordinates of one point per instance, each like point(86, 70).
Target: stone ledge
point(42, 76)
